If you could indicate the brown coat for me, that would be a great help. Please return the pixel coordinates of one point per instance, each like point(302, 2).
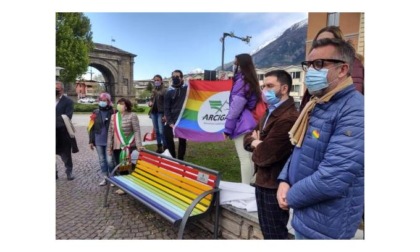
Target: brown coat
point(270, 156)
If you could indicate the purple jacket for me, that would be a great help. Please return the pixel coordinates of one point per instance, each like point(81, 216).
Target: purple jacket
point(239, 120)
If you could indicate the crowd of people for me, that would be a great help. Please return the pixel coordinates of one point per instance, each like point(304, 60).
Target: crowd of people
point(311, 160)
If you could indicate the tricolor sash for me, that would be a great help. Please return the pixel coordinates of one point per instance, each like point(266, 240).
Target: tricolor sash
point(124, 140)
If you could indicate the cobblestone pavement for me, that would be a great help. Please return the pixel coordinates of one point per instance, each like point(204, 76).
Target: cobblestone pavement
point(79, 205)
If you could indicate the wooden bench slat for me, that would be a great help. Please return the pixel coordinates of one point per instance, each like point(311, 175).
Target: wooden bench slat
point(173, 193)
point(164, 182)
point(176, 205)
point(181, 169)
point(149, 198)
point(190, 185)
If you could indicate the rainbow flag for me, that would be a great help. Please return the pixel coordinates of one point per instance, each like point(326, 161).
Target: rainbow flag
point(203, 115)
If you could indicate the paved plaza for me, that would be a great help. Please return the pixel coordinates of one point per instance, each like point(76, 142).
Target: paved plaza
point(79, 203)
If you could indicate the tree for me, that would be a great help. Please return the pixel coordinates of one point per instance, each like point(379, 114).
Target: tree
point(73, 43)
point(149, 87)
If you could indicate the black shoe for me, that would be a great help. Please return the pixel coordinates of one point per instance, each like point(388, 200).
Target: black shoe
point(70, 177)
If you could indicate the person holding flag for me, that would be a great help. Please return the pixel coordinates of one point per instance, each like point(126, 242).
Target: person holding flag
point(98, 132)
point(123, 134)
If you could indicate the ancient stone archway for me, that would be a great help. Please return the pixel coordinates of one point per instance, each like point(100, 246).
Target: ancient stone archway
point(116, 67)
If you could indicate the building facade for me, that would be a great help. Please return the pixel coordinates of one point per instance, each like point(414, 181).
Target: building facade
point(352, 24)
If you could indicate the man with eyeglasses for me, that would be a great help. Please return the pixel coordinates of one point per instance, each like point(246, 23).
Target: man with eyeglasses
point(323, 180)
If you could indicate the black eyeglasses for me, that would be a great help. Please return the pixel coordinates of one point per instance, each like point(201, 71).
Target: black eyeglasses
point(318, 63)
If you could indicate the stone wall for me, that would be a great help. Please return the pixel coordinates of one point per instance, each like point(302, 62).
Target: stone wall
point(235, 224)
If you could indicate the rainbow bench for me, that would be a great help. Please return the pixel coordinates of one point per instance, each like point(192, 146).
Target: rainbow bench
point(176, 190)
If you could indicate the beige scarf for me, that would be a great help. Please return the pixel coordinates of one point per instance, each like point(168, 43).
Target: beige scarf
point(297, 133)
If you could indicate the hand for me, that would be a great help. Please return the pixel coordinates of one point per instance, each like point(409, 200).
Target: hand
point(140, 148)
point(109, 153)
point(281, 195)
point(150, 103)
point(171, 125)
point(91, 146)
point(256, 134)
point(226, 136)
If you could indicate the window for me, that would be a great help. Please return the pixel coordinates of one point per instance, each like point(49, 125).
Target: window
point(295, 88)
point(295, 75)
point(333, 18)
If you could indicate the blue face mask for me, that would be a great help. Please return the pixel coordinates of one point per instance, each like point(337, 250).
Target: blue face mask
point(102, 104)
point(316, 80)
point(269, 97)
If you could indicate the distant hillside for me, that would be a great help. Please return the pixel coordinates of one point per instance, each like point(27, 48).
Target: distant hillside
point(288, 49)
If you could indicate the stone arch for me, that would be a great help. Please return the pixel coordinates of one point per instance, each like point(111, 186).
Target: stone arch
point(116, 67)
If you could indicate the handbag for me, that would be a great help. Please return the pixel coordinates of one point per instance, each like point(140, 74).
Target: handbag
point(259, 111)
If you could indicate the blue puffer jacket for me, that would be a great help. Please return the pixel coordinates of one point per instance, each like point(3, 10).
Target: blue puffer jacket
point(326, 174)
point(239, 119)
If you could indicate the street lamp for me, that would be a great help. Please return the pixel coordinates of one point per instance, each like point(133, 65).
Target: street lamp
point(222, 39)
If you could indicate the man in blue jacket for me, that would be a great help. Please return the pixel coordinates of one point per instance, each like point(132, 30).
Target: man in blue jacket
point(323, 180)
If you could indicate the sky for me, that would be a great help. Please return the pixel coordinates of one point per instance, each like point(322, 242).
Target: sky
point(190, 42)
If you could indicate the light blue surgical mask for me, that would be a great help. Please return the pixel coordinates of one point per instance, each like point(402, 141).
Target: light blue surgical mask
point(102, 104)
point(316, 80)
point(269, 97)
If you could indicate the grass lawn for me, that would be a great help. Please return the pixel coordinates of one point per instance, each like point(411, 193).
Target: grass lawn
point(219, 156)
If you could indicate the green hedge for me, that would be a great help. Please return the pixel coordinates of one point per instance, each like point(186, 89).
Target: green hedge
point(83, 107)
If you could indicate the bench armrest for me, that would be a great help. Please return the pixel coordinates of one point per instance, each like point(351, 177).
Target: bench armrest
point(192, 206)
point(115, 169)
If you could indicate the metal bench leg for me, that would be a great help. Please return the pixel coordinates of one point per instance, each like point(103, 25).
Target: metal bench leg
point(216, 223)
point(108, 186)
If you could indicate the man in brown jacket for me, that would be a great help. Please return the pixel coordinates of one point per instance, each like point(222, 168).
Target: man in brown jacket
point(271, 148)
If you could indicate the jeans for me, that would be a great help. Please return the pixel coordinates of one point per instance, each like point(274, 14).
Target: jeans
point(106, 162)
point(158, 126)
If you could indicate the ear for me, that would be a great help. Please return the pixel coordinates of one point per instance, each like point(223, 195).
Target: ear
point(344, 69)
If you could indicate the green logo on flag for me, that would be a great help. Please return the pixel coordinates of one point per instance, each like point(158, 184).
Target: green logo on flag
point(217, 105)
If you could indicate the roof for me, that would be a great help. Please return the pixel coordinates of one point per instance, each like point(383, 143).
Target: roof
point(110, 48)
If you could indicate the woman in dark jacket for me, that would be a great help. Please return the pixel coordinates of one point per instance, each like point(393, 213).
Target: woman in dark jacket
point(98, 131)
point(156, 105)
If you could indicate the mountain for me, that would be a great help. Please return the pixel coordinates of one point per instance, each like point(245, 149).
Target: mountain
point(287, 49)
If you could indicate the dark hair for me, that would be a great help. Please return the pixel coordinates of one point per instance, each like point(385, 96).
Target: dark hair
point(250, 75)
point(127, 103)
point(283, 77)
point(180, 73)
point(157, 75)
point(343, 50)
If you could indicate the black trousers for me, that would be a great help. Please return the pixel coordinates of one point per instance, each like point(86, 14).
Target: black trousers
point(182, 143)
point(273, 220)
point(67, 160)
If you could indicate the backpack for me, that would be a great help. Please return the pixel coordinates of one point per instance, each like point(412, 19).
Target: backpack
point(259, 111)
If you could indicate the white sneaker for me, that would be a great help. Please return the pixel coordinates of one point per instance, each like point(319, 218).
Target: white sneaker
point(120, 192)
point(112, 185)
point(103, 182)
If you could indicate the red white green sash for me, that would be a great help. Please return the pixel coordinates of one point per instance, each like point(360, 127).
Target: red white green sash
point(124, 140)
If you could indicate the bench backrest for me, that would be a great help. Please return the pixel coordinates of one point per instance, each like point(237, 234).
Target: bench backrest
point(182, 180)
